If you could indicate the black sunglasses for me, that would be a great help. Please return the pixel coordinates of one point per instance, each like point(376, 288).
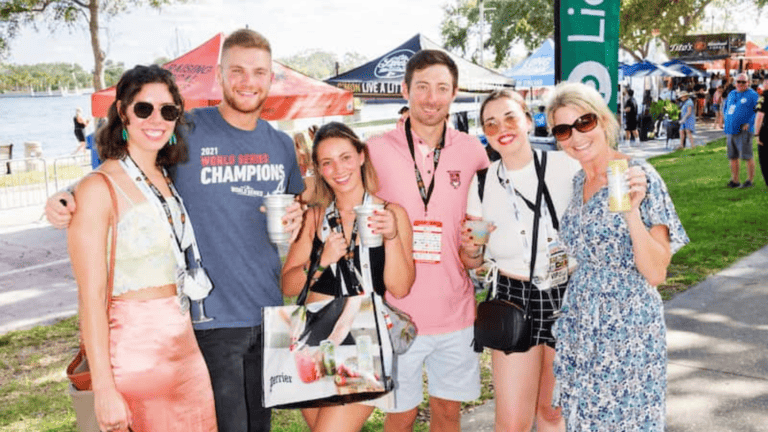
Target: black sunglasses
point(741, 82)
point(169, 112)
point(585, 123)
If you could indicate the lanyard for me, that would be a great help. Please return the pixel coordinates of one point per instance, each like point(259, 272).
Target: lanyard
point(426, 194)
point(152, 194)
point(513, 194)
point(347, 269)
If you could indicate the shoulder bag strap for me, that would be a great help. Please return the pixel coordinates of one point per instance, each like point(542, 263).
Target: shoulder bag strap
point(113, 251)
point(314, 262)
point(540, 169)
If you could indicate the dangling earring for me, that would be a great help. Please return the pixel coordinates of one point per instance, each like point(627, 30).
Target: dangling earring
point(172, 141)
point(125, 135)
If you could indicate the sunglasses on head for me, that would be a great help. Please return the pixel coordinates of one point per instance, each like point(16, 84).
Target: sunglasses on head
point(169, 112)
point(585, 123)
point(493, 127)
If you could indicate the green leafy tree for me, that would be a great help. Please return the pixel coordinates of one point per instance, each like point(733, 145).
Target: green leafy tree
point(72, 13)
point(532, 21)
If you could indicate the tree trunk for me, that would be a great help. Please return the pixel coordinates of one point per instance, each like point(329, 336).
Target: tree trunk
point(98, 54)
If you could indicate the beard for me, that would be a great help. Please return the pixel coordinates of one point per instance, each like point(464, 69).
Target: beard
point(244, 108)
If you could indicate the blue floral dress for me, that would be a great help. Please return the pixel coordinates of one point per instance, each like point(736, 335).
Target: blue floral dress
point(611, 355)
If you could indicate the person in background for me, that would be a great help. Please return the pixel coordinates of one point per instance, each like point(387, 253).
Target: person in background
point(761, 131)
point(147, 371)
point(610, 359)
point(739, 116)
point(242, 263)
point(346, 179)
point(687, 119)
point(304, 159)
point(80, 124)
point(426, 167)
point(717, 101)
point(630, 111)
point(540, 122)
point(522, 382)
point(403, 115)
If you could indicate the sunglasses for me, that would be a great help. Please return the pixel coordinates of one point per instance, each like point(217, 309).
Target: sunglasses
point(741, 82)
point(493, 127)
point(583, 124)
point(169, 112)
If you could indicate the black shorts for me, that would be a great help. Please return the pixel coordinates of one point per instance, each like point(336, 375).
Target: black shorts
point(543, 305)
point(80, 135)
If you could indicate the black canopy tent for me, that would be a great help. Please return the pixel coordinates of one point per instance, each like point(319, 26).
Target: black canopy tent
point(382, 77)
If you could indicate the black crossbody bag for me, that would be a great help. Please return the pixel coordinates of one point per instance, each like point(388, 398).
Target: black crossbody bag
point(504, 325)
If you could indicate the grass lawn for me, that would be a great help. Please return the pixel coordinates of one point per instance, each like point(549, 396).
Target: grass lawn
point(723, 224)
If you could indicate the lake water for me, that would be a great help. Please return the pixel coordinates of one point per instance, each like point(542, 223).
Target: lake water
point(48, 120)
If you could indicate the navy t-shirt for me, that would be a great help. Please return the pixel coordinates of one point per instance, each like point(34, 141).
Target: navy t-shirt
point(229, 172)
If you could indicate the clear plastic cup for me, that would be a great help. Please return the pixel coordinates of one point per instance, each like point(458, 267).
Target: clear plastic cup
point(480, 230)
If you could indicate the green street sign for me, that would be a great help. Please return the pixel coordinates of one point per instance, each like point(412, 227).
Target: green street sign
point(589, 44)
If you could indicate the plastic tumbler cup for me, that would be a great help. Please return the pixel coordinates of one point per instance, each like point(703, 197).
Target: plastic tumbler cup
point(479, 230)
point(276, 205)
point(367, 237)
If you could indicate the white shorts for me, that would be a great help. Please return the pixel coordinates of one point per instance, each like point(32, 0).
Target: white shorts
point(453, 370)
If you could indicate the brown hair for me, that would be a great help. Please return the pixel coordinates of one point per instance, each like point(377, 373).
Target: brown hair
point(109, 138)
point(323, 193)
point(501, 94)
point(303, 156)
point(246, 38)
point(588, 100)
point(426, 58)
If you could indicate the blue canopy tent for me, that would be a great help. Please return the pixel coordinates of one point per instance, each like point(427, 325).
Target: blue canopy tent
point(683, 68)
point(538, 70)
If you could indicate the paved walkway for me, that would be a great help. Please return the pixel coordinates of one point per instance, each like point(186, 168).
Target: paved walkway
point(717, 342)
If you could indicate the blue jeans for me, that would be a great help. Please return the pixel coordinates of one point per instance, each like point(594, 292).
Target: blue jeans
point(234, 357)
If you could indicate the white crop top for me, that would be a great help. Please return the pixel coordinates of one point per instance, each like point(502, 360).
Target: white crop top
point(505, 244)
point(145, 256)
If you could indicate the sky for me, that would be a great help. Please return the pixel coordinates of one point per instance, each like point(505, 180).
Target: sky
point(292, 26)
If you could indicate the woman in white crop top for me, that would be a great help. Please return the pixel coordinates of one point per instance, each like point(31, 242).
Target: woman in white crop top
point(146, 368)
point(523, 382)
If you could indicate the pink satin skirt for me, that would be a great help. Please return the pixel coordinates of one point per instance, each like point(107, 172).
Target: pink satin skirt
point(158, 367)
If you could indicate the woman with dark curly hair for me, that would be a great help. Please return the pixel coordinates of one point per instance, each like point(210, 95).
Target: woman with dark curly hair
point(146, 368)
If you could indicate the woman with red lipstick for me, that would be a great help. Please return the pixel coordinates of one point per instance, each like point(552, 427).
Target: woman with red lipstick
point(611, 356)
point(523, 382)
point(346, 179)
point(147, 371)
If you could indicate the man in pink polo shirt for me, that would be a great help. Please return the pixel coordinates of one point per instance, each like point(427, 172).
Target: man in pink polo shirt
point(427, 167)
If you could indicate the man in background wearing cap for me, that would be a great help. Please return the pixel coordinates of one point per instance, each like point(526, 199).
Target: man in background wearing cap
point(687, 119)
point(739, 113)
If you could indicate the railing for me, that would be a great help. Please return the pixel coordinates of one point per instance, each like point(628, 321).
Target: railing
point(33, 180)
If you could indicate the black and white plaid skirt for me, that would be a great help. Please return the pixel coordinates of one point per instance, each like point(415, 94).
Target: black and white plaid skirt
point(543, 305)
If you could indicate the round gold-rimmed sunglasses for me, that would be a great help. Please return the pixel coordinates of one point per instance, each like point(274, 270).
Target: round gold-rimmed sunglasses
point(168, 112)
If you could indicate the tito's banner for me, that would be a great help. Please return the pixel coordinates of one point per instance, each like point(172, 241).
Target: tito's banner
point(588, 36)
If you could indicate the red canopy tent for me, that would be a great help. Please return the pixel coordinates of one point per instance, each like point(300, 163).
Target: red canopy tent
point(292, 95)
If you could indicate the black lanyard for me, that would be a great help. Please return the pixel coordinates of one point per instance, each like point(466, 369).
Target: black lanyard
point(425, 194)
point(162, 200)
point(347, 270)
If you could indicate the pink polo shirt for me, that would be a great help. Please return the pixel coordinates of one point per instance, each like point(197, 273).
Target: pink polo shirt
point(442, 297)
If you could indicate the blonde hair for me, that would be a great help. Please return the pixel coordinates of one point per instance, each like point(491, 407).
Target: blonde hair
point(246, 38)
point(588, 100)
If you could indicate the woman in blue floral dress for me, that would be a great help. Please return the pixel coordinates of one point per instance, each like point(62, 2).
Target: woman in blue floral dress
point(611, 357)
